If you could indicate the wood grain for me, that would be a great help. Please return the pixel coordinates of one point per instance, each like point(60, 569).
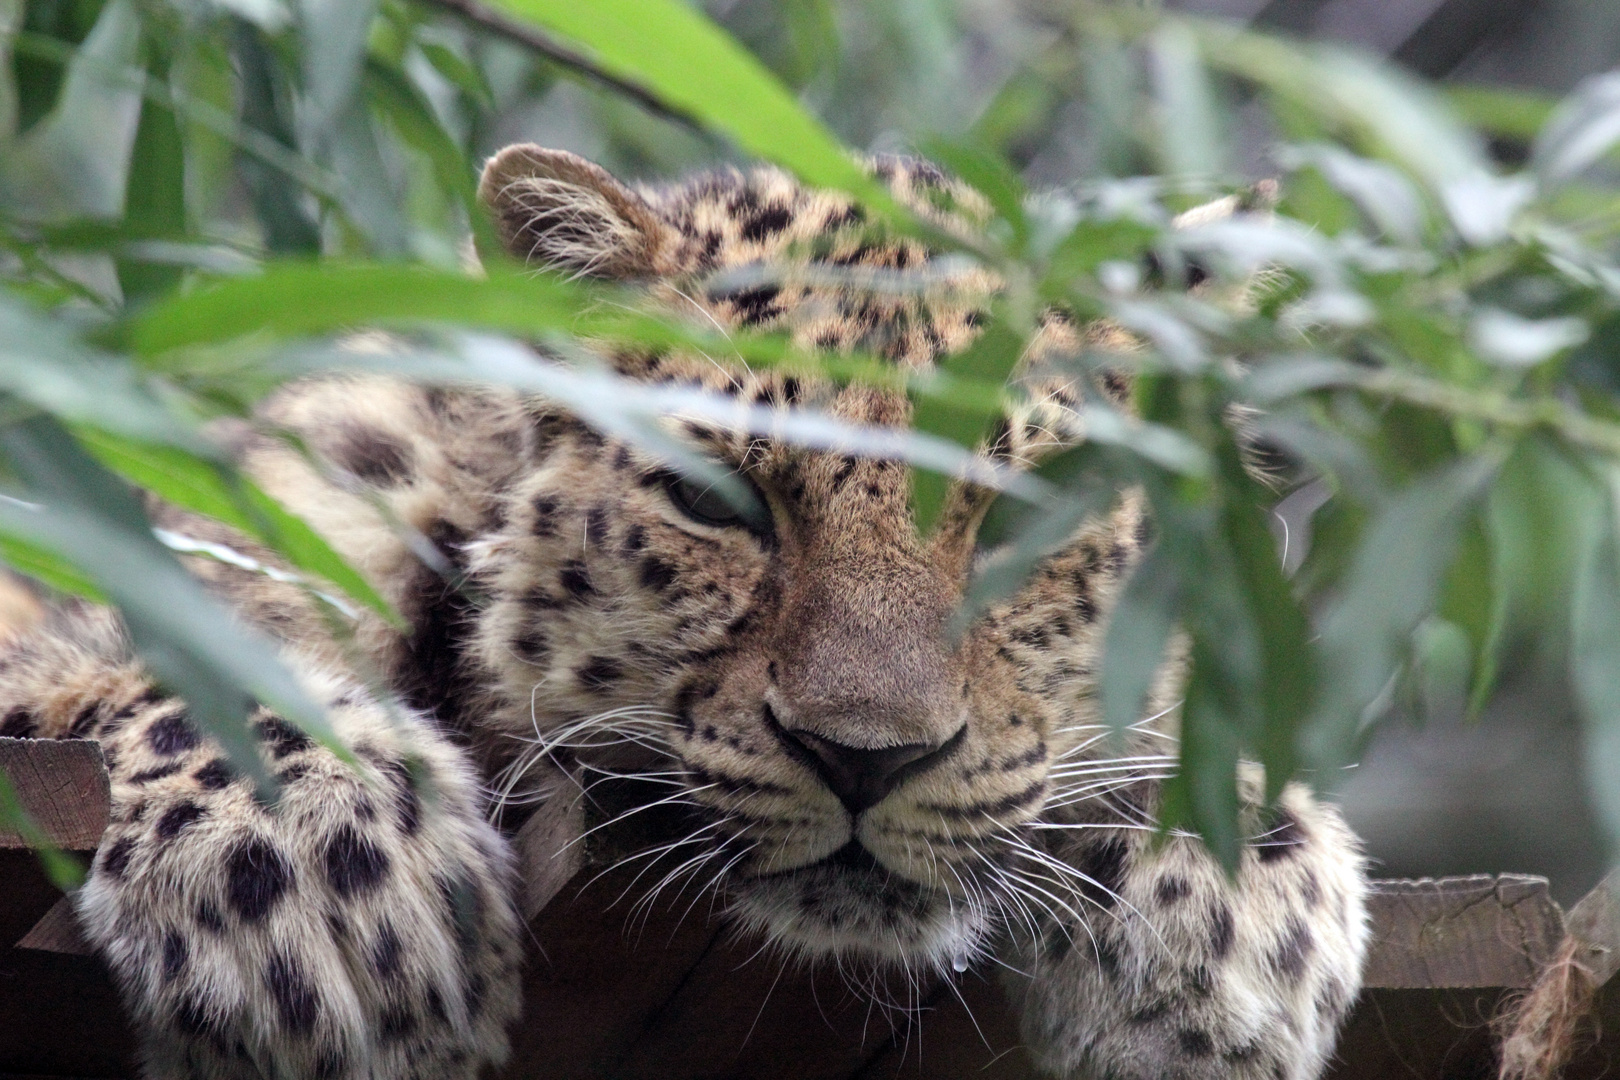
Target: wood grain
point(62, 785)
point(1461, 932)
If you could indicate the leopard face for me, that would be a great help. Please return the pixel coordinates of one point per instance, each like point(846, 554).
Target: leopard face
point(865, 782)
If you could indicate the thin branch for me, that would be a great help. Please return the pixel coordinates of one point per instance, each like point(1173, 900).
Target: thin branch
point(531, 37)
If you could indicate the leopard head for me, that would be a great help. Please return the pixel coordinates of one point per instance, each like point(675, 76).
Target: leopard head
point(867, 781)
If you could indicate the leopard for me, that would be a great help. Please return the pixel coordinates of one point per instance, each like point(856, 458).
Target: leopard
point(866, 780)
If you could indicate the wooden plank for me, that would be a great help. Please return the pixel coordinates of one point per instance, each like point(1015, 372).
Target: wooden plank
point(1595, 923)
point(62, 784)
point(58, 931)
point(1479, 931)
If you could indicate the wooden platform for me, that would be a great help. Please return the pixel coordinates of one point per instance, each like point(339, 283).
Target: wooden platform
point(668, 993)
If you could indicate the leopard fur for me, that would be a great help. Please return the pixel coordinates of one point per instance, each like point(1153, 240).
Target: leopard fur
point(867, 786)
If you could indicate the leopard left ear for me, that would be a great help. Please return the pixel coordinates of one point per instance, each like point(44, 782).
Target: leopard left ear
point(555, 209)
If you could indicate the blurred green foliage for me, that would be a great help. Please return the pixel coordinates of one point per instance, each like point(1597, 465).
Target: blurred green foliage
point(198, 196)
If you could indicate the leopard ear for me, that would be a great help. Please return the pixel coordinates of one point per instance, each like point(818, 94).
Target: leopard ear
point(555, 209)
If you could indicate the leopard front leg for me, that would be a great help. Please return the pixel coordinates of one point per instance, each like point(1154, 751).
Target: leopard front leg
point(362, 926)
point(1178, 971)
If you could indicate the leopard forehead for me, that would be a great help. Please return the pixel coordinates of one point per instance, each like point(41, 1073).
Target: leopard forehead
point(864, 774)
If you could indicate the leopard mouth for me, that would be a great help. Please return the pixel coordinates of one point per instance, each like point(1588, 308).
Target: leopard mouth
point(850, 904)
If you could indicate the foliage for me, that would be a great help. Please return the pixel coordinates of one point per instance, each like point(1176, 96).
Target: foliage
point(198, 196)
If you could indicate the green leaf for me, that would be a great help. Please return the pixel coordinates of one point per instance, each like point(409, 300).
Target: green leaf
point(1507, 112)
point(1287, 663)
point(42, 363)
point(1203, 794)
point(1471, 603)
point(287, 225)
point(1393, 584)
point(296, 300)
point(1190, 127)
point(1026, 535)
point(458, 72)
point(186, 638)
point(1584, 128)
point(1391, 114)
point(1595, 656)
point(688, 62)
point(1139, 628)
point(42, 565)
point(226, 496)
point(334, 36)
point(991, 176)
point(75, 161)
point(155, 203)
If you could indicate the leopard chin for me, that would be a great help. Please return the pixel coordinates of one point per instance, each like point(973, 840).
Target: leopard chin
point(850, 906)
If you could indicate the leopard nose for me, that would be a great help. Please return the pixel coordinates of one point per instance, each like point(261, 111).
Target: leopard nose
point(862, 777)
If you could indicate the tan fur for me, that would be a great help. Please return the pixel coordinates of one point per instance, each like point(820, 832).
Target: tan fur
point(864, 785)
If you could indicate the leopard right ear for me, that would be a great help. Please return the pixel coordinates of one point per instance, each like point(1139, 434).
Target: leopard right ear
point(555, 209)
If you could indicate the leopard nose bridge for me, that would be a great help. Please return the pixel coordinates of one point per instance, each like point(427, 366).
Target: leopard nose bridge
point(863, 682)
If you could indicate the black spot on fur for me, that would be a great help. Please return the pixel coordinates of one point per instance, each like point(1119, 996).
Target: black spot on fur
point(756, 305)
point(1201, 981)
point(545, 516)
point(84, 720)
point(373, 456)
point(1107, 954)
point(1311, 890)
point(1104, 870)
point(215, 775)
point(596, 524)
point(1332, 1000)
point(281, 737)
point(256, 877)
point(331, 1063)
point(353, 863)
point(1150, 1014)
point(176, 818)
point(1294, 950)
point(386, 952)
point(18, 723)
point(599, 673)
point(635, 538)
point(533, 645)
point(656, 574)
point(115, 859)
point(158, 773)
point(398, 1023)
point(297, 1002)
point(407, 802)
point(1283, 840)
point(767, 222)
point(1170, 889)
point(1221, 931)
point(173, 734)
point(1249, 1052)
point(1196, 1043)
point(683, 706)
point(209, 918)
point(175, 954)
point(193, 1018)
point(576, 579)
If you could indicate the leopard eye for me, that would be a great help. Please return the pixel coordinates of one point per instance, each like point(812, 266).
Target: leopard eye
point(705, 503)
